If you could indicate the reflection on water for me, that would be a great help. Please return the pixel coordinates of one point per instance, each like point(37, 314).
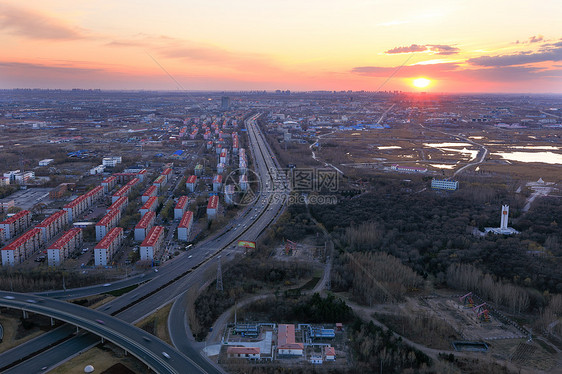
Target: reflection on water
point(473, 153)
point(441, 145)
point(544, 157)
point(390, 147)
point(536, 147)
point(464, 151)
point(442, 166)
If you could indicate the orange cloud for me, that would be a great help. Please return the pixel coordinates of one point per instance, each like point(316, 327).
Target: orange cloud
point(34, 25)
point(439, 49)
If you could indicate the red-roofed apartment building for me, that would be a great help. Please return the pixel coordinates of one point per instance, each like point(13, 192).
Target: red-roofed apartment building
point(152, 244)
point(106, 248)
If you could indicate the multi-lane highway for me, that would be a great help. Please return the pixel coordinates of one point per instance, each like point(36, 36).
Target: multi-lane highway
point(178, 275)
point(155, 353)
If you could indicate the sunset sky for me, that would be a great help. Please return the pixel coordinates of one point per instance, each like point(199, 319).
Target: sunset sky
point(460, 46)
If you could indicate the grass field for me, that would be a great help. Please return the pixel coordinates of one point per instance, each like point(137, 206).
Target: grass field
point(157, 324)
point(10, 339)
point(101, 359)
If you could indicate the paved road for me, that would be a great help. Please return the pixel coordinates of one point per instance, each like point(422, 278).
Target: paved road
point(175, 276)
point(74, 293)
point(45, 359)
point(269, 206)
point(152, 351)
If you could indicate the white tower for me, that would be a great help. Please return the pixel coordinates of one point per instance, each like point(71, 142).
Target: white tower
point(505, 214)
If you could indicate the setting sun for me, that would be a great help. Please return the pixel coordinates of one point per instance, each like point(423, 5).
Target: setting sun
point(421, 82)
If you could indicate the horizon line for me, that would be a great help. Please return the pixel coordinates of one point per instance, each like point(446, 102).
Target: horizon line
point(274, 91)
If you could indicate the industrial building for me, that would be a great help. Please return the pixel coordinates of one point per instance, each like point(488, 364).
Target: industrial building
point(444, 184)
point(185, 225)
point(251, 353)
point(144, 226)
point(19, 177)
point(150, 191)
point(22, 248)
point(111, 161)
point(181, 207)
point(408, 169)
point(108, 183)
point(106, 223)
point(106, 248)
point(16, 224)
point(46, 162)
point(212, 207)
point(152, 244)
point(329, 353)
point(286, 343)
point(97, 170)
point(53, 225)
point(64, 246)
point(150, 206)
point(191, 183)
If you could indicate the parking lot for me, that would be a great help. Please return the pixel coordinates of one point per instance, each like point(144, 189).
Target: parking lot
point(26, 199)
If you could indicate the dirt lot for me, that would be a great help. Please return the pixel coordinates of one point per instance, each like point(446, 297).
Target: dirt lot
point(439, 320)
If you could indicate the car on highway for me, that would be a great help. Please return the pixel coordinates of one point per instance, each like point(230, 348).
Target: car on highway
point(100, 321)
point(166, 355)
point(146, 339)
point(9, 297)
point(189, 256)
point(107, 285)
point(31, 301)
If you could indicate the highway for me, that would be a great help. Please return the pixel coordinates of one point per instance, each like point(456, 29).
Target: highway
point(75, 293)
point(147, 348)
point(178, 275)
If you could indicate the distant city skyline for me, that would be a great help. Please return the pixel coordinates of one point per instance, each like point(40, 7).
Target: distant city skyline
point(458, 46)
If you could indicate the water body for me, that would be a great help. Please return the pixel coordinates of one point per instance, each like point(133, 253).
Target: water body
point(442, 166)
point(390, 147)
point(536, 147)
point(542, 157)
point(441, 145)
